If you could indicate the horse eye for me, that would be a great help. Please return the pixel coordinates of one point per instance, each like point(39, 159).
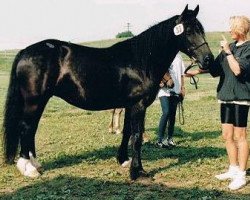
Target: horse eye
point(188, 31)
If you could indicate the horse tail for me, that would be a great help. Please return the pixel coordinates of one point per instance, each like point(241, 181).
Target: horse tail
point(12, 116)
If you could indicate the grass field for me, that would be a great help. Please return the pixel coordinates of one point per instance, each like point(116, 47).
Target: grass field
point(79, 155)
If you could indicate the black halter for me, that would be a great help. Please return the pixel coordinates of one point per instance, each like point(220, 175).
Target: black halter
point(193, 79)
point(192, 49)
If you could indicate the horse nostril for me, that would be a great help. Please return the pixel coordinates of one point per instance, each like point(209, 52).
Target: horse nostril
point(207, 59)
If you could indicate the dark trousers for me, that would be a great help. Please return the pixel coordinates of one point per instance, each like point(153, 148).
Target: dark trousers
point(169, 107)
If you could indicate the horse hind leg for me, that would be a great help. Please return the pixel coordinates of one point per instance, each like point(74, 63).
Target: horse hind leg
point(27, 163)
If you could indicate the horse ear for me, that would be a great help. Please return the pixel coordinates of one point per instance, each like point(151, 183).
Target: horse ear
point(184, 11)
point(196, 10)
point(182, 15)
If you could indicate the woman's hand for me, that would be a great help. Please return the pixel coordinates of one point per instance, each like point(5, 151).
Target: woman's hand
point(225, 45)
point(170, 83)
point(161, 84)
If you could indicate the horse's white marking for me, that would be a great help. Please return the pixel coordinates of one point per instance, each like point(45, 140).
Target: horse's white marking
point(34, 162)
point(178, 29)
point(50, 45)
point(126, 163)
point(21, 163)
point(26, 168)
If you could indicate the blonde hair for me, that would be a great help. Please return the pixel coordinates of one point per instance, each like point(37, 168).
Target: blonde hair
point(240, 25)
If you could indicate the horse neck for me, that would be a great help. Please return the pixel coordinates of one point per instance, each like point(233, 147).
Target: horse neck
point(157, 48)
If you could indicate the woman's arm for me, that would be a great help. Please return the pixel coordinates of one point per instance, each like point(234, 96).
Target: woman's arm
point(183, 90)
point(194, 72)
point(233, 63)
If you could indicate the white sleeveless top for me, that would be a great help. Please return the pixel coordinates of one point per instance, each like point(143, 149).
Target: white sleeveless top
point(176, 71)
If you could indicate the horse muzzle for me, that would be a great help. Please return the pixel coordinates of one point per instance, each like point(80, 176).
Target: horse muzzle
point(206, 62)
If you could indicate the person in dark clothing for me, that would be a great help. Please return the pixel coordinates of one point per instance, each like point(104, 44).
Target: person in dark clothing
point(232, 65)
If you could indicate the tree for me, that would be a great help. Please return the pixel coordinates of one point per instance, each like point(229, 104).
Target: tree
point(124, 34)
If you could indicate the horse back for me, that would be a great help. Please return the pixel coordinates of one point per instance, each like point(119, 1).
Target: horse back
point(89, 78)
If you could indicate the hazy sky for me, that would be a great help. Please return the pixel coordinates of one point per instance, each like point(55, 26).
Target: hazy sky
point(24, 22)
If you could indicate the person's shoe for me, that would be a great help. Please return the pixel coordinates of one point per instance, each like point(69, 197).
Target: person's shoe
point(238, 181)
point(170, 142)
point(161, 145)
point(230, 174)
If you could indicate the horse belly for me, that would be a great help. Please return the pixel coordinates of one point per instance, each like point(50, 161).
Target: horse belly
point(89, 101)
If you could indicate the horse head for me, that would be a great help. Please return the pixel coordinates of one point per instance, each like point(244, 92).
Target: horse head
point(192, 38)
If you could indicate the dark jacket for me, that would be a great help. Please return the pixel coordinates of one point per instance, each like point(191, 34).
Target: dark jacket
point(233, 87)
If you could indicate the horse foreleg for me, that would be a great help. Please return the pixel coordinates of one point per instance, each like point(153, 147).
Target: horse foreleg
point(136, 169)
point(137, 128)
point(122, 156)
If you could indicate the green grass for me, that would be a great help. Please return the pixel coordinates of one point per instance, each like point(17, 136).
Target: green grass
point(78, 154)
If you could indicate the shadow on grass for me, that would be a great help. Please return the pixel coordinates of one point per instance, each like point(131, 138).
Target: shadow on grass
point(150, 152)
point(91, 157)
point(183, 154)
point(69, 187)
point(194, 136)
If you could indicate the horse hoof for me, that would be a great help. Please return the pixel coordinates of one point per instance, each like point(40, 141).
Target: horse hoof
point(138, 172)
point(134, 174)
point(118, 131)
point(35, 163)
point(26, 168)
point(110, 130)
point(143, 173)
point(31, 171)
point(121, 158)
point(126, 163)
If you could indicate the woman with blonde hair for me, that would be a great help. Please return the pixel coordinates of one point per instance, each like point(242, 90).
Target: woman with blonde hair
point(232, 65)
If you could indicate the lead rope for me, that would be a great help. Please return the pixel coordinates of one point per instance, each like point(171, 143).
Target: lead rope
point(181, 113)
point(193, 79)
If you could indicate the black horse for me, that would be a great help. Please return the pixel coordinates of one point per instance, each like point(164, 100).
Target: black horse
point(126, 75)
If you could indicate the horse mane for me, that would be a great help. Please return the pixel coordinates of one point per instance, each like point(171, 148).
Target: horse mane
point(151, 37)
point(157, 33)
point(154, 38)
point(161, 32)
